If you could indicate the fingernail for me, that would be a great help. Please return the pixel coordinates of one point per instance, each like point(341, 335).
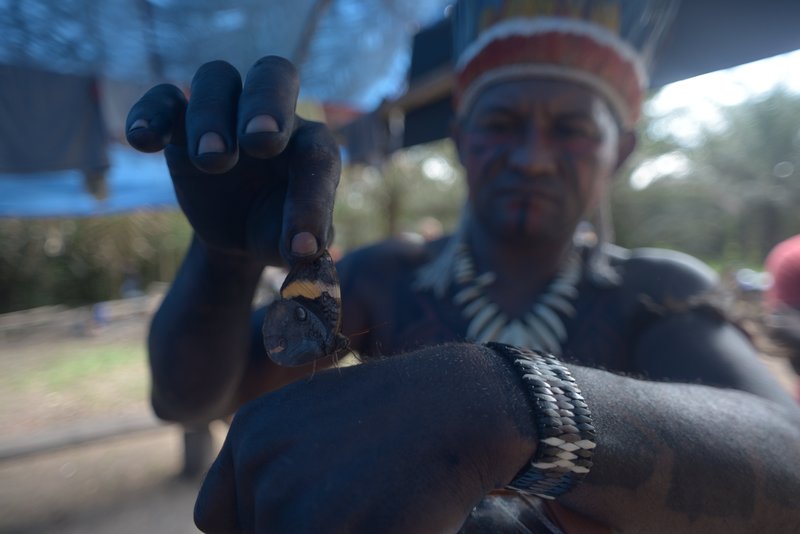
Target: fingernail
point(304, 244)
point(139, 123)
point(210, 143)
point(262, 123)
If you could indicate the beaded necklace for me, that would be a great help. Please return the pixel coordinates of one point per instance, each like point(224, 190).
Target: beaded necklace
point(542, 327)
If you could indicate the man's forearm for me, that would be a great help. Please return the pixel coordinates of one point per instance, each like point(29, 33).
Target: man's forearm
point(688, 458)
point(200, 336)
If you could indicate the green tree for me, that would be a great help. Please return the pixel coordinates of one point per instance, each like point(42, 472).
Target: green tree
point(754, 162)
point(735, 191)
point(84, 260)
point(412, 184)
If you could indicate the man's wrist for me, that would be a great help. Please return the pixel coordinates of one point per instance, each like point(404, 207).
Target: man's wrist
point(566, 435)
point(221, 258)
point(219, 276)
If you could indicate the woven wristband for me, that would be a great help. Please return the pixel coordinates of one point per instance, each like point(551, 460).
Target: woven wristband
point(563, 424)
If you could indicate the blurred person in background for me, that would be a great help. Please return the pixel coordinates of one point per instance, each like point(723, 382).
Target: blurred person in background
point(782, 299)
point(515, 378)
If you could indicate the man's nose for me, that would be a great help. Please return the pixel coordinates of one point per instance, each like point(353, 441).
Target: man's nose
point(534, 154)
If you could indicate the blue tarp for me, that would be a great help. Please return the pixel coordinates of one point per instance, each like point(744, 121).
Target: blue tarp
point(353, 53)
point(348, 51)
point(135, 182)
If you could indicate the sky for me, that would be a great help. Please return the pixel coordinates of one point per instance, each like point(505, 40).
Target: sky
point(700, 96)
point(694, 103)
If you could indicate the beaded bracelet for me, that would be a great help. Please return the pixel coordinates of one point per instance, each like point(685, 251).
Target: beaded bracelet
point(563, 424)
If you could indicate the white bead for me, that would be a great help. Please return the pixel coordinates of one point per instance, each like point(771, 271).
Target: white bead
point(475, 306)
point(544, 465)
point(483, 317)
point(491, 330)
point(552, 320)
point(540, 329)
point(466, 295)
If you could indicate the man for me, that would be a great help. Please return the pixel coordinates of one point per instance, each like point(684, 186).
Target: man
point(663, 419)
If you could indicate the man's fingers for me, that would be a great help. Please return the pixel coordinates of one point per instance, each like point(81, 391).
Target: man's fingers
point(211, 117)
point(157, 119)
point(215, 507)
point(266, 107)
point(315, 166)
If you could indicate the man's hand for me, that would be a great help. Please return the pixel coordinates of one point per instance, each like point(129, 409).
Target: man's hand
point(251, 176)
point(407, 444)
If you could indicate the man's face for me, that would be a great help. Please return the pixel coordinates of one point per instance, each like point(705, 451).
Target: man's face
point(539, 155)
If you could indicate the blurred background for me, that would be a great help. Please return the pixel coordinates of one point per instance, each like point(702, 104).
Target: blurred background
point(90, 233)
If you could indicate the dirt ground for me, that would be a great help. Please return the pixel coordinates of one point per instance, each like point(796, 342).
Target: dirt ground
point(79, 450)
point(123, 485)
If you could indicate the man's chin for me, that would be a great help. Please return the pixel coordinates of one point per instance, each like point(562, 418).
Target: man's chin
point(525, 226)
point(523, 234)
point(533, 230)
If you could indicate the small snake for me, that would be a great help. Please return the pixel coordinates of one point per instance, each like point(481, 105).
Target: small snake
point(303, 324)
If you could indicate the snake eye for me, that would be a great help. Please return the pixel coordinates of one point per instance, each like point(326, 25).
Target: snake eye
point(300, 314)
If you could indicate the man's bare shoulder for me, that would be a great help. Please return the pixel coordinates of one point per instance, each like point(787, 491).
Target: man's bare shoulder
point(661, 273)
point(376, 283)
point(391, 254)
point(386, 261)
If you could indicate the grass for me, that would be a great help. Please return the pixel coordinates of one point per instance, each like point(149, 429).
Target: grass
point(50, 385)
point(75, 367)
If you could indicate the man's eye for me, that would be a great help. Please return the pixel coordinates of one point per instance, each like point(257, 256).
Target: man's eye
point(574, 131)
point(496, 124)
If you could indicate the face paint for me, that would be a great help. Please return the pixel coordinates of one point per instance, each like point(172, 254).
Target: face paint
point(303, 324)
point(538, 155)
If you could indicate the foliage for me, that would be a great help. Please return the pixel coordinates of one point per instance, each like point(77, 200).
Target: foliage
point(670, 214)
point(86, 260)
point(737, 193)
point(734, 197)
point(413, 186)
point(80, 261)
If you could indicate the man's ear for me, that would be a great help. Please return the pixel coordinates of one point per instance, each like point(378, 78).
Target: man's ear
point(457, 135)
point(626, 146)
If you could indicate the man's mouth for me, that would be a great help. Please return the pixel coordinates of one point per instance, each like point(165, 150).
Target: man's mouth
point(529, 194)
